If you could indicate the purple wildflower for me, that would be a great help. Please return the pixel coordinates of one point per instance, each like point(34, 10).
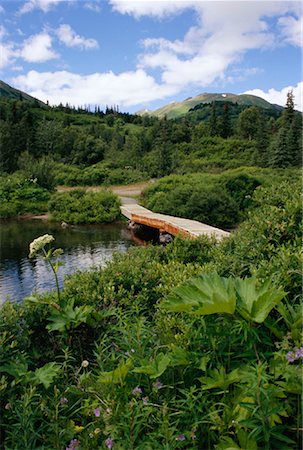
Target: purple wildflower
point(181, 437)
point(109, 443)
point(299, 353)
point(63, 400)
point(158, 385)
point(97, 412)
point(145, 400)
point(73, 444)
point(137, 391)
point(290, 357)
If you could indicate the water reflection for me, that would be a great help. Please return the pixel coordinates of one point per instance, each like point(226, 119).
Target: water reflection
point(83, 246)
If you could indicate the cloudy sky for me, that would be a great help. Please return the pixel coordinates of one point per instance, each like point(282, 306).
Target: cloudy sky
point(144, 54)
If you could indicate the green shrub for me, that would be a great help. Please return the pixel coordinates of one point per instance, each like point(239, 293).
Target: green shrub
point(97, 174)
point(79, 206)
point(19, 195)
point(269, 242)
point(42, 169)
point(217, 200)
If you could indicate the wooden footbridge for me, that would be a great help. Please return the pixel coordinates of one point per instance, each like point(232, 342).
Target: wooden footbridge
point(170, 224)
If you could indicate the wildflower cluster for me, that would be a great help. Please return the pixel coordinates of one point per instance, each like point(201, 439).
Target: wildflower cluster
point(74, 443)
point(39, 243)
point(137, 391)
point(294, 355)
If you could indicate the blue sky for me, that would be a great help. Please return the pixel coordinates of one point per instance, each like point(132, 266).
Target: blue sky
point(144, 54)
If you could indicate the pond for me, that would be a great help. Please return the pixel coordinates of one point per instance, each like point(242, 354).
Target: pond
point(84, 246)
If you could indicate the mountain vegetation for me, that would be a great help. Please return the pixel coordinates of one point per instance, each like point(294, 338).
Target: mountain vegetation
point(219, 134)
point(178, 109)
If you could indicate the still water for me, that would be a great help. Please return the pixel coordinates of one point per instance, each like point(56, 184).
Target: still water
point(84, 246)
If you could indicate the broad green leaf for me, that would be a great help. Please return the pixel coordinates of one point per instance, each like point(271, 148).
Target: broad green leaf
point(220, 379)
point(203, 362)
point(246, 441)
point(206, 294)
point(255, 302)
point(58, 323)
point(178, 356)
point(116, 376)
point(227, 443)
point(156, 367)
point(69, 316)
point(46, 374)
point(17, 368)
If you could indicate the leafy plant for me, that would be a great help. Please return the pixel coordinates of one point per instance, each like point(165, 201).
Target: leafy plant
point(80, 206)
point(207, 294)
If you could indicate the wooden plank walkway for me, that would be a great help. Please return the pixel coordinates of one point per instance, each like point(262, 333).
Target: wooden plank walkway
point(170, 224)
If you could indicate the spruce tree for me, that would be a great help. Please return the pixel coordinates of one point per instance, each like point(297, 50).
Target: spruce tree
point(287, 145)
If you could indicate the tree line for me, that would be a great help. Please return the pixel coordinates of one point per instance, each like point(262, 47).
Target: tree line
point(247, 135)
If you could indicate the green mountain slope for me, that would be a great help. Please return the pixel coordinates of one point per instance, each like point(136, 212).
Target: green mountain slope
point(8, 91)
point(177, 109)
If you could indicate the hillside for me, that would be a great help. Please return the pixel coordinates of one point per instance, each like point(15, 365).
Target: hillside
point(177, 109)
point(10, 92)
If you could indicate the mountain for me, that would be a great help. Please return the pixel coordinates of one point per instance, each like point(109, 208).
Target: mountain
point(176, 109)
point(8, 91)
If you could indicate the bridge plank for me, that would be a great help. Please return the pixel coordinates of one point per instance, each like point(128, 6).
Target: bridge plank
point(171, 224)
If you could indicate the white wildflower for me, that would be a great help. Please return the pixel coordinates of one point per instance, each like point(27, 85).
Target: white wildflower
point(39, 244)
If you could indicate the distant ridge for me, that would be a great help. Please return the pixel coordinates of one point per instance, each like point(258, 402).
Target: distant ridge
point(177, 109)
point(8, 91)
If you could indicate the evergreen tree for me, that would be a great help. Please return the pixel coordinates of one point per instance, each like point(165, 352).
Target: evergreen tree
point(225, 128)
point(213, 123)
point(287, 145)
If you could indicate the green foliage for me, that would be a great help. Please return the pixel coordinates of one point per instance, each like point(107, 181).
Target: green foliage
point(286, 147)
point(19, 195)
point(68, 316)
point(255, 302)
point(219, 200)
point(268, 243)
point(208, 294)
point(79, 206)
point(45, 375)
point(111, 147)
point(97, 174)
point(42, 170)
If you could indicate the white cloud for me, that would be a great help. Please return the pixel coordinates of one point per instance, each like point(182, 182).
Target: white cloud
point(92, 6)
point(69, 37)
point(7, 54)
point(225, 30)
point(38, 48)
point(279, 97)
point(2, 32)
point(292, 28)
point(156, 8)
point(125, 89)
point(43, 5)
point(17, 68)
point(2, 10)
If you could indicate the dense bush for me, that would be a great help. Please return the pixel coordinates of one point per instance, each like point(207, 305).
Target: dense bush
point(79, 206)
point(42, 169)
point(97, 174)
point(19, 195)
point(218, 200)
point(269, 242)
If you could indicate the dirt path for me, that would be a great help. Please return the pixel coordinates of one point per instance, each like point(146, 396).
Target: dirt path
point(128, 193)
